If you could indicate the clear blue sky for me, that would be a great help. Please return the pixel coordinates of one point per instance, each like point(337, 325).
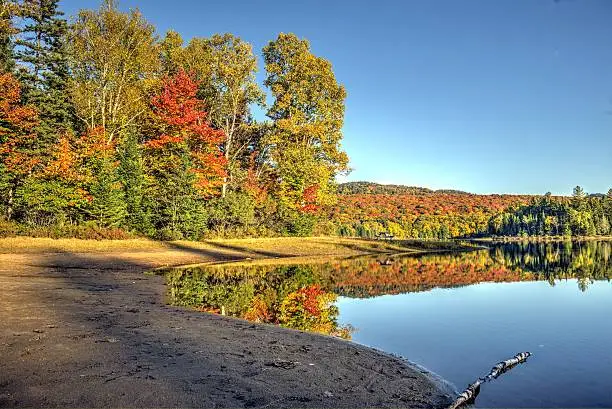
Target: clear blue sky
point(480, 95)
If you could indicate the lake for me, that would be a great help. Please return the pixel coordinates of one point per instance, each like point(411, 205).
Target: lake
point(455, 314)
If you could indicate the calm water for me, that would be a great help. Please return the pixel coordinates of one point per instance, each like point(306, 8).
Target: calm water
point(455, 314)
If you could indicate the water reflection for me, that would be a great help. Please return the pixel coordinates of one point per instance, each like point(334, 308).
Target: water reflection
point(585, 261)
point(303, 296)
point(290, 295)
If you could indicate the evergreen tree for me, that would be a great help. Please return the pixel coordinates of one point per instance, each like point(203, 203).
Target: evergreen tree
point(8, 9)
point(132, 175)
point(43, 68)
point(578, 197)
point(108, 205)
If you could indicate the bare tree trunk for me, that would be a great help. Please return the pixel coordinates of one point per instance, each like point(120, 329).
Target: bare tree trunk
point(9, 206)
point(224, 187)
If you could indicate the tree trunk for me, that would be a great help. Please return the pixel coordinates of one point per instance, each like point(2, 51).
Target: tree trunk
point(224, 187)
point(9, 205)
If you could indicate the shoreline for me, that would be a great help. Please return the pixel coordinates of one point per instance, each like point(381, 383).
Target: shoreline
point(87, 329)
point(536, 239)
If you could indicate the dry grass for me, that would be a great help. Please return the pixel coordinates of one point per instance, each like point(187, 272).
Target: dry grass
point(261, 247)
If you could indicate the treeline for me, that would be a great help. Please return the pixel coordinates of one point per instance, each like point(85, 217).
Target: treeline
point(107, 129)
point(437, 215)
point(429, 216)
point(579, 215)
point(370, 188)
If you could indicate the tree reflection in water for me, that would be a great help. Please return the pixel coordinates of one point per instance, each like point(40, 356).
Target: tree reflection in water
point(303, 296)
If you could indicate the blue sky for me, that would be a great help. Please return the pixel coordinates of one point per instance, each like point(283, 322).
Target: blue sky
point(511, 96)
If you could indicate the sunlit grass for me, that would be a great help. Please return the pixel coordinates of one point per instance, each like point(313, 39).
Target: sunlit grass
point(260, 247)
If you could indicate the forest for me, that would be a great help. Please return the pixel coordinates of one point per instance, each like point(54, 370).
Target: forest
point(111, 130)
point(408, 212)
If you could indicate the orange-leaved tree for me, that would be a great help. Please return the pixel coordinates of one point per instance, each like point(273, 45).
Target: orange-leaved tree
point(78, 182)
point(19, 153)
point(183, 157)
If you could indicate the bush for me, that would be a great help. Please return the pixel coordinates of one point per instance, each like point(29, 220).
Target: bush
point(235, 210)
point(86, 231)
point(8, 229)
point(301, 225)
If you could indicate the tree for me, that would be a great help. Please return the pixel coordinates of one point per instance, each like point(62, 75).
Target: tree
point(107, 206)
point(171, 53)
point(184, 156)
point(114, 65)
point(229, 93)
point(57, 193)
point(225, 67)
point(18, 141)
point(8, 9)
point(133, 178)
point(578, 198)
point(43, 68)
point(308, 114)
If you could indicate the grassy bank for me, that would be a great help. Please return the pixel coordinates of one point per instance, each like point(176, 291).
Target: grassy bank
point(274, 247)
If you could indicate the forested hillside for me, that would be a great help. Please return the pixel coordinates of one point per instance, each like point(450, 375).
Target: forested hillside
point(422, 213)
point(579, 215)
point(371, 188)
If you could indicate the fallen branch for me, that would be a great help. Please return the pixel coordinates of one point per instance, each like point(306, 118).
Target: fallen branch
point(471, 392)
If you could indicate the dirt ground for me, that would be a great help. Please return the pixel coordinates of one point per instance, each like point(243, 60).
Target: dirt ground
point(91, 330)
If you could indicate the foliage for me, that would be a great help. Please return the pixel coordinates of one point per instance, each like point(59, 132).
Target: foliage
point(18, 141)
point(307, 114)
point(8, 10)
point(132, 176)
point(426, 216)
point(547, 216)
point(113, 66)
point(309, 309)
point(43, 67)
point(182, 159)
point(285, 295)
point(350, 188)
point(234, 211)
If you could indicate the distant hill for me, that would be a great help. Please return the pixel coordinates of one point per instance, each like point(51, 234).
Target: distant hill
point(365, 209)
point(371, 188)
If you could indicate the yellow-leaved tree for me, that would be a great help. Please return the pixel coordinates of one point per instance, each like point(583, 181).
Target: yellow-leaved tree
point(307, 115)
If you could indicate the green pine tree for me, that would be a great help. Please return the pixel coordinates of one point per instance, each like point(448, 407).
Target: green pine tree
point(132, 175)
point(108, 206)
point(43, 67)
point(8, 9)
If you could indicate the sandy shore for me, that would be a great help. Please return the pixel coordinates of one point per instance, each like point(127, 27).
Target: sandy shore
point(90, 329)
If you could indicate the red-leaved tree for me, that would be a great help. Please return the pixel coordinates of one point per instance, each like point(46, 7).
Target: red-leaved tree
point(184, 129)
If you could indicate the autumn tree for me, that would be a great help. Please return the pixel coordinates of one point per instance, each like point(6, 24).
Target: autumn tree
point(113, 63)
point(19, 155)
point(308, 113)
point(183, 157)
point(225, 67)
point(229, 93)
point(43, 67)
